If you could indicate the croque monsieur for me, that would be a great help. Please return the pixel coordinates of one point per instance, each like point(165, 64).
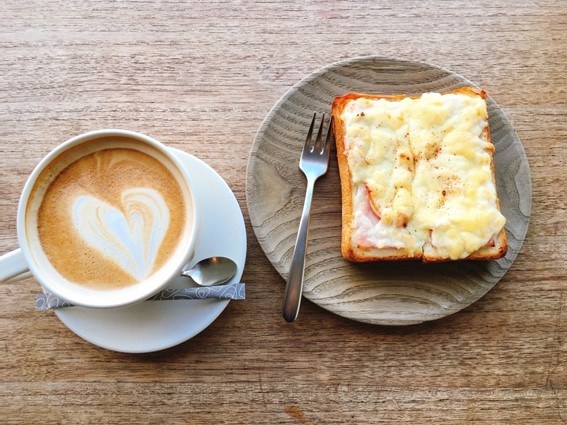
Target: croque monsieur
point(417, 177)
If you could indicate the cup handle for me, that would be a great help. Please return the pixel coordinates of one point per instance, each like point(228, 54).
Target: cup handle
point(13, 266)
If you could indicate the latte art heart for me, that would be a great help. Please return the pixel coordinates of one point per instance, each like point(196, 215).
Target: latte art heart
point(130, 235)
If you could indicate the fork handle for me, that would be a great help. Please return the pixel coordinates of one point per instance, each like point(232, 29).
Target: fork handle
point(294, 285)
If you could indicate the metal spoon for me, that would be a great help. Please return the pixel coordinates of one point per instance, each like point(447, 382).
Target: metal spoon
point(212, 271)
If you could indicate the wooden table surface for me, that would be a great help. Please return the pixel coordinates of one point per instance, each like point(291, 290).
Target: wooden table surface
point(201, 76)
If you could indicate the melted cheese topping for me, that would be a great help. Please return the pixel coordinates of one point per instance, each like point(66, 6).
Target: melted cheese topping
point(421, 174)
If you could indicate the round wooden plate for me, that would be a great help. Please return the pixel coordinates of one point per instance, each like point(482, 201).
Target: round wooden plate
point(387, 293)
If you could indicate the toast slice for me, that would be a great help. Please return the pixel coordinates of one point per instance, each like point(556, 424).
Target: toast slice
point(417, 177)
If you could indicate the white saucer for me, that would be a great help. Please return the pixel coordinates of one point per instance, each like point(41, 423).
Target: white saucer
point(153, 326)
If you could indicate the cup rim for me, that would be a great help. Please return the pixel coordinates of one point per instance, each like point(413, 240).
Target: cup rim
point(89, 297)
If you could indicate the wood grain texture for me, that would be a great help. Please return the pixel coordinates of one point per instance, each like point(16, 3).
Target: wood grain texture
point(201, 77)
point(386, 293)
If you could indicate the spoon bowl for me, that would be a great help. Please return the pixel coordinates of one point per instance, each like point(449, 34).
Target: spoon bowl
point(212, 271)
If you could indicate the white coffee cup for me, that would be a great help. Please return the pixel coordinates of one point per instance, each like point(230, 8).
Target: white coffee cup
point(107, 242)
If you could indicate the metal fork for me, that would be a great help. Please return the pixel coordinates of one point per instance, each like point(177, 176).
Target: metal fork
point(314, 163)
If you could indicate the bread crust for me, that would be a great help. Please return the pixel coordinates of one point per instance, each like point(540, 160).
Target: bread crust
point(495, 249)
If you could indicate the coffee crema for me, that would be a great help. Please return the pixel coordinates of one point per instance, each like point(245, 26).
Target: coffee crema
point(110, 218)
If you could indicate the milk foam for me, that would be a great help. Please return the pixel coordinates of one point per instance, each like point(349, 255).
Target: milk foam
point(131, 234)
point(109, 215)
